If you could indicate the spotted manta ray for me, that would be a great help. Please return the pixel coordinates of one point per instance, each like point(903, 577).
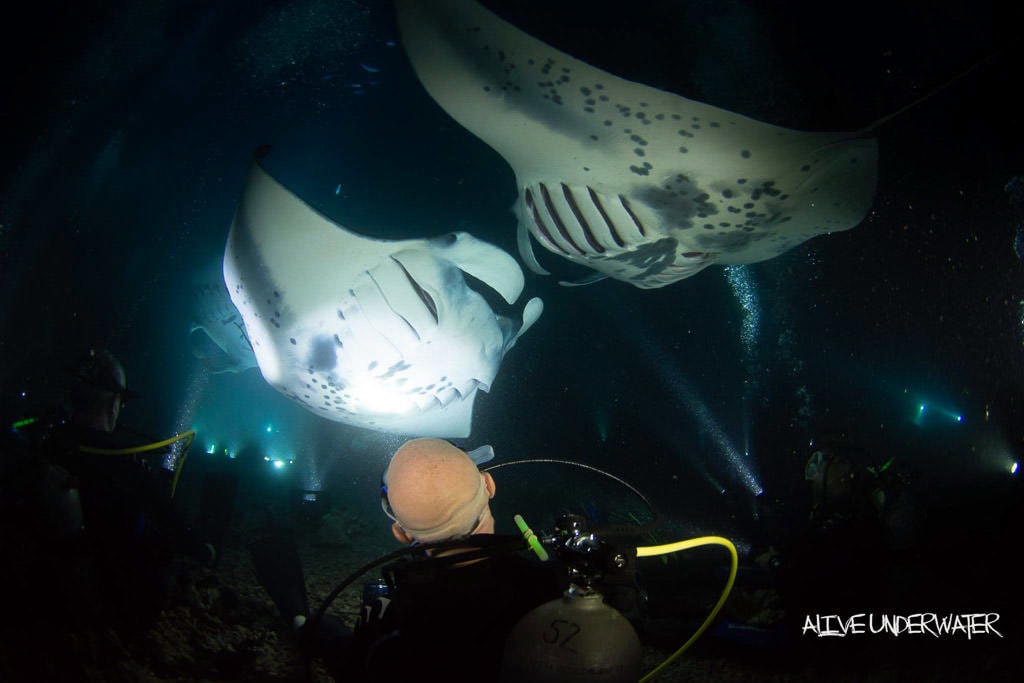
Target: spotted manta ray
point(639, 184)
point(381, 334)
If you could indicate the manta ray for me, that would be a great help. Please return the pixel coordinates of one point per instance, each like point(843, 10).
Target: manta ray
point(639, 184)
point(381, 334)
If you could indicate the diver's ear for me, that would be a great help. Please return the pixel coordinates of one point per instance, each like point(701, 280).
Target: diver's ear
point(489, 483)
point(400, 535)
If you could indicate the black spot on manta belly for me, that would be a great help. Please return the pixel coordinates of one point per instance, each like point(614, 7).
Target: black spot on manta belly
point(322, 354)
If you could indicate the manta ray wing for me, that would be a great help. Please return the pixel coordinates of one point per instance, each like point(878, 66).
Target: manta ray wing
point(217, 334)
point(639, 184)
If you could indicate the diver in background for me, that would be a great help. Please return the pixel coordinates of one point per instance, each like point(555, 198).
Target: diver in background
point(425, 610)
point(844, 493)
point(853, 513)
point(135, 534)
point(106, 534)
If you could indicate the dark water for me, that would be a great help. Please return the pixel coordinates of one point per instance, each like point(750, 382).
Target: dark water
point(130, 127)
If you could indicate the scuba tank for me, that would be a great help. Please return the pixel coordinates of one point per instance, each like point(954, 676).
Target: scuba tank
point(577, 637)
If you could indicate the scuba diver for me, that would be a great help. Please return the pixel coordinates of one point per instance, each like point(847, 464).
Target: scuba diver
point(843, 493)
point(432, 491)
point(103, 541)
point(478, 604)
point(853, 520)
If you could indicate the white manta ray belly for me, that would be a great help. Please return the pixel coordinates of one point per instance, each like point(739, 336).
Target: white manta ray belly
point(639, 184)
point(380, 334)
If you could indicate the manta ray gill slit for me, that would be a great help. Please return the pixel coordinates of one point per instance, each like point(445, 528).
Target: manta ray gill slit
point(424, 296)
